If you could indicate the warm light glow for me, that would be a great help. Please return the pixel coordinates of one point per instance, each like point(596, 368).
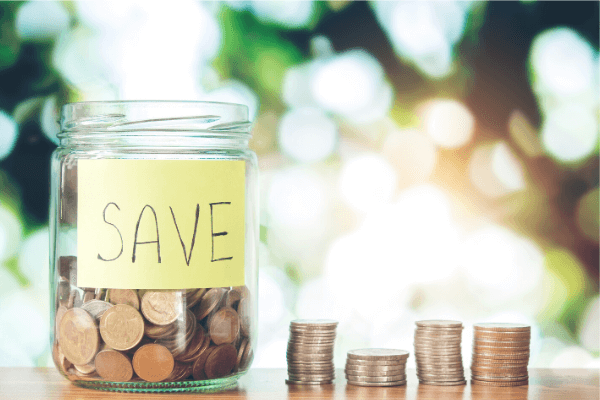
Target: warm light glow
point(588, 216)
point(448, 122)
point(412, 154)
point(495, 170)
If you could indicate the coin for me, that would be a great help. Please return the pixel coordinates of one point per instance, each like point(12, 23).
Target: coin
point(198, 367)
point(59, 358)
point(314, 323)
point(371, 362)
point(378, 354)
point(439, 323)
point(193, 296)
point(123, 296)
point(96, 308)
point(240, 354)
point(193, 348)
point(78, 336)
point(60, 313)
point(503, 327)
point(232, 299)
point(505, 384)
point(114, 366)
point(440, 383)
point(224, 326)
point(221, 361)
point(377, 369)
point(293, 382)
point(311, 377)
point(209, 302)
point(121, 327)
point(153, 362)
point(162, 308)
point(358, 383)
point(68, 269)
point(369, 378)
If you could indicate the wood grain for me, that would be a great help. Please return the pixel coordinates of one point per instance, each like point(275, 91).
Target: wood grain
point(569, 384)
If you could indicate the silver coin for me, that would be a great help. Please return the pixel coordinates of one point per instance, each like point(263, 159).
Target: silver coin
point(388, 378)
point(439, 323)
point(378, 354)
point(376, 368)
point(294, 382)
point(96, 308)
point(436, 383)
point(358, 383)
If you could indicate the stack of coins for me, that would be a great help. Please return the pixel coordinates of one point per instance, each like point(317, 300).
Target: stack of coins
point(376, 367)
point(438, 352)
point(500, 354)
point(310, 352)
point(123, 335)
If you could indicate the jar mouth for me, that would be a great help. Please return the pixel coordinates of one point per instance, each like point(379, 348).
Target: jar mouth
point(150, 118)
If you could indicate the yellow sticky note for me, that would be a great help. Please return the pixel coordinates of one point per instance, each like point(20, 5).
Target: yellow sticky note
point(160, 224)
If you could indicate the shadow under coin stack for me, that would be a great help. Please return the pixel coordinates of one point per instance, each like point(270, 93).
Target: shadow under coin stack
point(438, 353)
point(310, 352)
point(376, 367)
point(500, 354)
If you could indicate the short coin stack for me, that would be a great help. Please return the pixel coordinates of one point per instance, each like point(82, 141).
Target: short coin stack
point(438, 352)
point(310, 352)
point(376, 367)
point(500, 354)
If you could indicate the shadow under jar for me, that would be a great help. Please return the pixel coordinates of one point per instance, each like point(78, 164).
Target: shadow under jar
point(154, 235)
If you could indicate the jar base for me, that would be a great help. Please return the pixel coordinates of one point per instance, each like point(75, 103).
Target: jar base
point(206, 386)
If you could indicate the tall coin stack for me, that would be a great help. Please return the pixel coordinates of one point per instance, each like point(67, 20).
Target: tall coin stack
point(310, 352)
point(438, 352)
point(376, 367)
point(500, 354)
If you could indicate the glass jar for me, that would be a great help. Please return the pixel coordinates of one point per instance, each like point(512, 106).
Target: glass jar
point(153, 248)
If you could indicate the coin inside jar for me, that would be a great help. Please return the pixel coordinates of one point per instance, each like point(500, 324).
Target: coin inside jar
point(122, 327)
point(162, 308)
point(224, 326)
point(123, 296)
point(209, 302)
point(153, 362)
point(221, 361)
point(113, 366)
point(78, 336)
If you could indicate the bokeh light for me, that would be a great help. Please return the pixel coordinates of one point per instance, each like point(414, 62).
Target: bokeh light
point(495, 170)
point(307, 134)
point(448, 122)
point(41, 20)
point(10, 131)
point(587, 215)
point(413, 154)
point(367, 182)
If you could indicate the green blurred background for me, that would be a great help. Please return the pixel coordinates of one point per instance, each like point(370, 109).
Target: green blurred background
point(418, 159)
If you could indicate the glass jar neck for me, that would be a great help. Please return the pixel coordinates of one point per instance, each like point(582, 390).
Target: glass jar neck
point(148, 124)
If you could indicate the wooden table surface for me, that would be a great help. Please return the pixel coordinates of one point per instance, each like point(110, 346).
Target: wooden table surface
point(569, 384)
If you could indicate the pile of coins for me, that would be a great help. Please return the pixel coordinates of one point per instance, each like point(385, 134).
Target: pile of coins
point(438, 352)
point(500, 354)
point(123, 335)
point(376, 367)
point(310, 352)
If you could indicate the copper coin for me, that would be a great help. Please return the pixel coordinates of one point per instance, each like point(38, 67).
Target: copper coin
point(193, 296)
point(153, 362)
point(209, 302)
point(242, 290)
point(224, 326)
point(244, 312)
point(221, 361)
point(78, 336)
point(240, 354)
point(193, 349)
point(162, 308)
point(123, 296)
point(504, 384)
point(200, 363)
point(311, 377)
point(96, 308)
point(378, 354)
point(85, 369)
point(122, 327)
point(502, 327)
point(59, 358)
point(232, 299)
point(247, 356)
point(113, 366)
